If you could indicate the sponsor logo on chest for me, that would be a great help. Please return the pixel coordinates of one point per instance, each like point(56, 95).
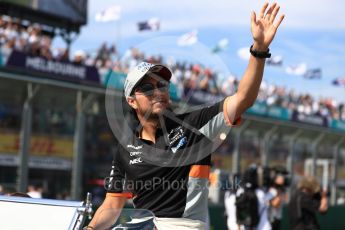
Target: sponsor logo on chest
point(177, 139)
point(135, 161)
point(135, 147)
point(175, 135)
point(133, 152)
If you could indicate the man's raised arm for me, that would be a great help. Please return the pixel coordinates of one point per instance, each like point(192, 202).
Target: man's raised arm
point(263, 30)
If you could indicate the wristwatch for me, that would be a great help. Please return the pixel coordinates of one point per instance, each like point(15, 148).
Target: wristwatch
point(260, 54)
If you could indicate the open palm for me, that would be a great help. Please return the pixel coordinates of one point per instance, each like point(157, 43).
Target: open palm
point(263, 28)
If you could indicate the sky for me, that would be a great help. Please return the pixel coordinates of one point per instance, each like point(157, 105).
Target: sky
point(313, 32)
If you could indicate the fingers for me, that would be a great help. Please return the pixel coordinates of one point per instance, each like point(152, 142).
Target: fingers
point(274, 13)
point(270, 15)
point(279, 21)
point(270, 10)
point(263, 9)
point(253, 18)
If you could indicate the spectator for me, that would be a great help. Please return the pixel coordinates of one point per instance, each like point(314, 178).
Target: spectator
point(248, 207)
point(276, 204)
point(305, 203)
point(34, 191)
point(207, 82)
point(79, 57)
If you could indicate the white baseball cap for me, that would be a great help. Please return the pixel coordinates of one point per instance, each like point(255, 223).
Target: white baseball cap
point(140, 71)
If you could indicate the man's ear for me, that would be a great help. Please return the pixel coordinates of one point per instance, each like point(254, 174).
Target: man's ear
point(132, 102)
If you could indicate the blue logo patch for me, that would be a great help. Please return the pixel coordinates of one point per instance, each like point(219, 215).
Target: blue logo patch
point(181, 143)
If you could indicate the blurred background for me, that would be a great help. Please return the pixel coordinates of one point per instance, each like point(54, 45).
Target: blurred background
point(58, 58)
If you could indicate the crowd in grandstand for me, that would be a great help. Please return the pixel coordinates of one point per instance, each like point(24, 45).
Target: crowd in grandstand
point(31, 39)
point(303, 103)
point(197, 77)
point(15, 34)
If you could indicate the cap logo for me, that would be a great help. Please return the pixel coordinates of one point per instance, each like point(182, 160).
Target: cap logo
point(144, 66)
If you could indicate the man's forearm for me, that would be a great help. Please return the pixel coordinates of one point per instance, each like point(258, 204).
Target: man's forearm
point(250, 83)
point(107, 214)
point(248, 88)
point(104, 218)
point(251, 80)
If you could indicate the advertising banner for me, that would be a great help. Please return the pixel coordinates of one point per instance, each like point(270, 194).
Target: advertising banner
point(39, 145)
point(258, 108)
point(278, 112)
point(339, 125)
point(199, 97)
point(66, 71)
point(309, 119)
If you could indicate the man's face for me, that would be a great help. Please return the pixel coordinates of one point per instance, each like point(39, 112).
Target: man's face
point(151, 97)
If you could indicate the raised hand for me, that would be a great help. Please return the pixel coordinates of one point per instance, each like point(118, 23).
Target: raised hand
point(264, 28)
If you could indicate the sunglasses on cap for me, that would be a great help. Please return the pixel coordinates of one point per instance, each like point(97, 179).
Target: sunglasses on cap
point(148, 88)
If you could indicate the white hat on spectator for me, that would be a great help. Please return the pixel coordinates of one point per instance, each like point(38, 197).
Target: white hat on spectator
point(139, 72)
point(36, 26)
point(80, 53)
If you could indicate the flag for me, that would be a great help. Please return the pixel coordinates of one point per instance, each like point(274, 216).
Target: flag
point(152, 24)
point(313, 73)
point(244, 53)
point(221, 45)
point(188, 39)
point(299, 69)
point(340, 81)
point(112, 13)
point(275, 61)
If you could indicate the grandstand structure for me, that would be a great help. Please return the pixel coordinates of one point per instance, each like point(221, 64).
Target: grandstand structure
point(56, 17)
point(54, 128)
